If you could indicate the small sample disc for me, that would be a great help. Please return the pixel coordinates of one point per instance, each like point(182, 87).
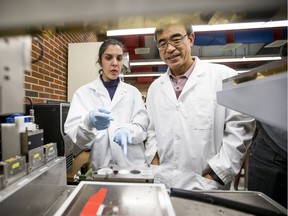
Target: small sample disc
point(105, 171)
point(135, 172)
point(123, 172)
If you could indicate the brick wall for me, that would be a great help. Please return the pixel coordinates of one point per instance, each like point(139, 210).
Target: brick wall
point(48, 78)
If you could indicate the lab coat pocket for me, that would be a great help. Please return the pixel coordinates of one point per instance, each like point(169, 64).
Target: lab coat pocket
point(202, 109)
point(135, 153)
point(208, 184)
point(163, 175)
point(190, 180)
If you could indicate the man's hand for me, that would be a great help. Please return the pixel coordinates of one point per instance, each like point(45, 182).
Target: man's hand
point(155, 160)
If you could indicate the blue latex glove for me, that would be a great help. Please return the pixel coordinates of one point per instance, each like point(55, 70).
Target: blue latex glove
point(100, 118)
point(123, 137)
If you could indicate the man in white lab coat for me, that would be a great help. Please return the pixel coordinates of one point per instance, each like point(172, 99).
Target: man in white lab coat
point(200, 144)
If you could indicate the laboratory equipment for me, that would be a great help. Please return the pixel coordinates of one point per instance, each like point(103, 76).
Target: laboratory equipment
point(125, 198)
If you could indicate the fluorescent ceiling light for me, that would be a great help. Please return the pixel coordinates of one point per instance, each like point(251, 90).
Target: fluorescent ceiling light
point(243, 59)
point(143, 63)
point(205, 28)
point(135, 31)
point(157, 74)
point(239, 26)
point(144, 74)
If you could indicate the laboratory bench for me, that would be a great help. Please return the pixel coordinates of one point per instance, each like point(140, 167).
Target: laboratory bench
point(45, 192)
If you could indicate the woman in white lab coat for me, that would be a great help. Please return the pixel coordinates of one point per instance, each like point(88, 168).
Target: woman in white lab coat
point(109, 115)
point(192, 134)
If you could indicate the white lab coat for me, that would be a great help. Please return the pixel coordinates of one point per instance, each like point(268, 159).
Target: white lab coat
point(128, 110)
point(194, 130)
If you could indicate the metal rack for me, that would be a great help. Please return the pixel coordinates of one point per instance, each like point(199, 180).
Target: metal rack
point(260, 93)
point(35, 193)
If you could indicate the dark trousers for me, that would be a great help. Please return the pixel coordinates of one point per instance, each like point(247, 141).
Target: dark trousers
point(267, 171)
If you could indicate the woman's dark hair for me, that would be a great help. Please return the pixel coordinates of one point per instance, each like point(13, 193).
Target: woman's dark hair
point(104, 46)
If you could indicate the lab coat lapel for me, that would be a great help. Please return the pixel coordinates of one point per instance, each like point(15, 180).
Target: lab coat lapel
point(167, 88)
point(119, 94)
point(193, 78)
point(103, 93)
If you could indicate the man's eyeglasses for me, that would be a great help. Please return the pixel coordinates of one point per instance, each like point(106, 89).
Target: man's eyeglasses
point(175, 41)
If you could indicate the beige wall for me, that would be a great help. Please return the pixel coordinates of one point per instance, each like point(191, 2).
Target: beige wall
point(48, 79)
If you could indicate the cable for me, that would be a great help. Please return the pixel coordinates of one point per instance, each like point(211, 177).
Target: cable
point(41, 55)
point(31, 103)
point(233, 204)
point(31, 111)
